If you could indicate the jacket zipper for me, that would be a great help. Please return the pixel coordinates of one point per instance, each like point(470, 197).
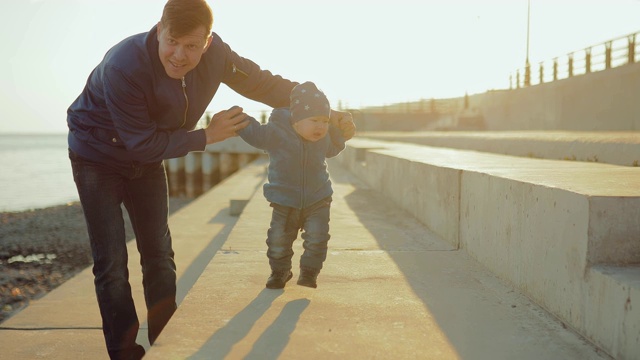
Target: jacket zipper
point(186, 98)
point(237, 70)
point(302, 166)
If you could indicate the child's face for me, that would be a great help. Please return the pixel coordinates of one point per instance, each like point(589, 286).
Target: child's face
point(312, 128)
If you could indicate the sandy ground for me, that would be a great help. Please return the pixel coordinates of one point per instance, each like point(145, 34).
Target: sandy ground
point(40, 249)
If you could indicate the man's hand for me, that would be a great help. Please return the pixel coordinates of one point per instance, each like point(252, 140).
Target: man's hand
point(344, 121)
point(224, 124)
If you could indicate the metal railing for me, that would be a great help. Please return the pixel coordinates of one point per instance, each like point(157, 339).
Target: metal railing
point(609, 54)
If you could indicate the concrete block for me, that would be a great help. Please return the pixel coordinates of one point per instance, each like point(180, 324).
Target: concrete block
point(429, 193)
point(614, 230)
point(538, 224)
point(530, 235)
point(609, 147)
point(612, 310)
point(236, 206)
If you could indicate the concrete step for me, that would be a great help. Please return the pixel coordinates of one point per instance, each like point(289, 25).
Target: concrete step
point(538, 224)
point(618, 148)
point(616, 289)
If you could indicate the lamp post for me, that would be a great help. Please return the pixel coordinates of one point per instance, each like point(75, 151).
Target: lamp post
point(527, 69)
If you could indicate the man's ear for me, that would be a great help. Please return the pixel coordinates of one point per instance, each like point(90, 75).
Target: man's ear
point(209, 40)
point(159, 30)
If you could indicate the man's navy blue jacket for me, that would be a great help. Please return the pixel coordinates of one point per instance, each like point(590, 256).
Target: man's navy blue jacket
point(132, 112)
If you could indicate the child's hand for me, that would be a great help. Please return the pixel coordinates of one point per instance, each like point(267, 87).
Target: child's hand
point(334, 120)
point(348, 127)
point(344, 121)
point(348, 130)
point(336, 116)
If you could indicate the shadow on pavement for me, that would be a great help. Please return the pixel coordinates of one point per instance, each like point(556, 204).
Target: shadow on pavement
point(222, 341)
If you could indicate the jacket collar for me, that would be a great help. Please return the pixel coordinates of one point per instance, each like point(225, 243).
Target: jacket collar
point(151, 42)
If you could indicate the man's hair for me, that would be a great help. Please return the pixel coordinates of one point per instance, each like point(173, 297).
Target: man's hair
point(184, 16)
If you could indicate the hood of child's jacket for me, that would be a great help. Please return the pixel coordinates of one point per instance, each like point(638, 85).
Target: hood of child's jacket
point(280, 116)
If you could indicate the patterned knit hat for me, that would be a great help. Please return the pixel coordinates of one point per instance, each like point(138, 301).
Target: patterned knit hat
point(308, 101)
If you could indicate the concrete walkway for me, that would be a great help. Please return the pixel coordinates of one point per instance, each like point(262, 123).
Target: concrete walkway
point(390, 289)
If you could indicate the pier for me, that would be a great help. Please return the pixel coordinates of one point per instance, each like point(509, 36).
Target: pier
point(516, 240)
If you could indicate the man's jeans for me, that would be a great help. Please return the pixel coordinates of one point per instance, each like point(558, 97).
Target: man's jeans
point(143, 190)
point(283, 231)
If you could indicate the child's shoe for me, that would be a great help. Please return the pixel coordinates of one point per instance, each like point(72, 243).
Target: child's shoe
point(278, 279)
point(308, 277)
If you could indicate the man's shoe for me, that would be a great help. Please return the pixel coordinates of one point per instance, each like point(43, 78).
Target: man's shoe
point(308, 277)
point(278, 279)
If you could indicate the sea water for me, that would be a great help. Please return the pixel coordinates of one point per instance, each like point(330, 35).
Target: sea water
point(35, 172)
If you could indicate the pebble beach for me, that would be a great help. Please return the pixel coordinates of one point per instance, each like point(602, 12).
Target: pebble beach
point(41, 249)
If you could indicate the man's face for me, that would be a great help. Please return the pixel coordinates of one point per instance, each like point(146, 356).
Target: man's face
point(312, 128)
point(181, 55)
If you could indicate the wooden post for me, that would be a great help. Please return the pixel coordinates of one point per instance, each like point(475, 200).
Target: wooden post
point(175, 176)
point(571, 65)
point(210, 170)
point(193, 174)
point(632, 49)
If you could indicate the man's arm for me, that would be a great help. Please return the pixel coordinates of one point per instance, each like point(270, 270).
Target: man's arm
point(247, 79)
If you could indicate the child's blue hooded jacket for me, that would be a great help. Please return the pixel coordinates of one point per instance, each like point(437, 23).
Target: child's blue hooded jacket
point(297, 174)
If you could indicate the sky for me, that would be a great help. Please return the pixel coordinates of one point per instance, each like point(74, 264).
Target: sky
point(359, 52)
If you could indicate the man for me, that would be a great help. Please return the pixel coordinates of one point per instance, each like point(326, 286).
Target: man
point(140, 106)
